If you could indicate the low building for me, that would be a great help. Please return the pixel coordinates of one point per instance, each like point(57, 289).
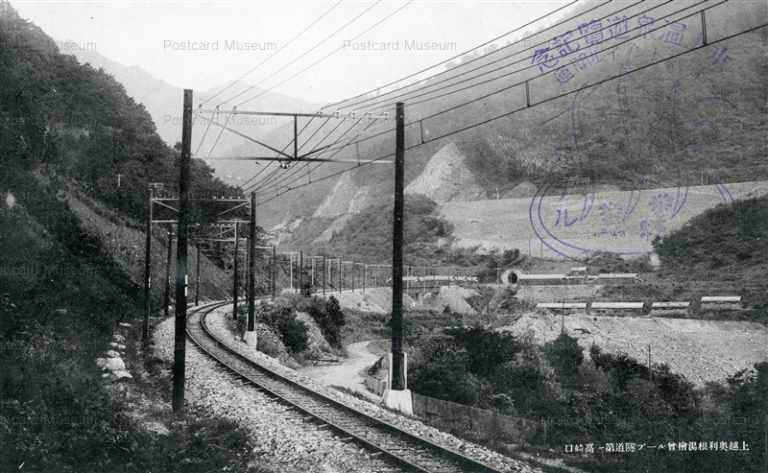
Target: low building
point(617, 307)
point(562, 307)
point(721, 303)
point(617, 278)
point(670, 308)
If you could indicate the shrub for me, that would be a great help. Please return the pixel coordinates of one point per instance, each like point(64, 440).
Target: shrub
point(292, 331)
point(486, 349)
point(565, 355)
point(329, 317)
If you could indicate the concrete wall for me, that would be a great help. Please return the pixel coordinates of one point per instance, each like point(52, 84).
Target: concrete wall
point(481, 424)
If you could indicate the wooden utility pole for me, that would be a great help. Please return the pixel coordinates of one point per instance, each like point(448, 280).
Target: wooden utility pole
point(236, 274)
point(398, 358)
point(180, 334)
point(167, 298)
point(290, 270)
point(197, 276)
point(650, 368)
point(301, 271)
point(324, 275)
point(147, 271)
point(252, 265)
point(274, 272)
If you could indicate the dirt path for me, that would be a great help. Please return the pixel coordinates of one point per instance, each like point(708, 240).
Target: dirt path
point(346, 373)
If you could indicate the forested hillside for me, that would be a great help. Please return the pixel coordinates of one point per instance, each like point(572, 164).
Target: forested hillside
point(696, 118)
point(70, 120)
point(66, 128)
point(727, 243)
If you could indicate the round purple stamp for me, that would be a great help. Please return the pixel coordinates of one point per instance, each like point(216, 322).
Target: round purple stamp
point(576, 221)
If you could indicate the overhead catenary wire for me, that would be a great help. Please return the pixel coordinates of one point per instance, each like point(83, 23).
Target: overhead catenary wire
point(542, 74)
point(367, 30)
point(376, 105)
point(549, 14)
point(316, 165)
point(457, 56)
point(528, 106)
point(381, 133)
point(264, 168)
point(506, 88)
point(305, 53)
point(202, 139)
point(221, 132)
point(366, 98)
point(274, 174)
point(276, 52)
point(282, 178)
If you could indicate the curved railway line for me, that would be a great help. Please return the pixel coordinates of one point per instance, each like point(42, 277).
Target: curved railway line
point(388, 441)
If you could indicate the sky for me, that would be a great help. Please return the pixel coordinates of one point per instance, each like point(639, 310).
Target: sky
point(206, 44)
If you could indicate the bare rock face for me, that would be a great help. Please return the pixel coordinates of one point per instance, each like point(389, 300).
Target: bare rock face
point(317, 344)
point(110, 364)
point(447, 178)
point(122, 375)
point(345, 198)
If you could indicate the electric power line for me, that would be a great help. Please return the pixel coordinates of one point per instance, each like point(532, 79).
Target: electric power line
point(294, 60)
point(527, 81)
point(457, 56)
point(285, 45)
point(531, 105)
point(461, 54)
point(408, 2)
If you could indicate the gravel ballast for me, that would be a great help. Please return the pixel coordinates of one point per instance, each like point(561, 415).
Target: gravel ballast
point(218, 327)
point(282, 440)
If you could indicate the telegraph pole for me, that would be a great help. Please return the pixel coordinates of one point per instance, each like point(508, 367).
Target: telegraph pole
point(180, 334)
point(197, 276)
point(147, 271)
point(167, 297)
point(650, 369)
point(312, 273)
point(290, 269)
point(398, 358)
point(252, 265)
point(274, 271)
point(236, 275)
point(324, 275)
point(301, 271)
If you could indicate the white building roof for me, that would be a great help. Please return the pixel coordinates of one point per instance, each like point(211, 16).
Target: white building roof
point(670, 305)
point(730, 299)
point(617, 305)
point(561, 305)
point(540, 276)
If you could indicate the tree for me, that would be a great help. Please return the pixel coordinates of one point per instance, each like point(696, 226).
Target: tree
point(565, 355)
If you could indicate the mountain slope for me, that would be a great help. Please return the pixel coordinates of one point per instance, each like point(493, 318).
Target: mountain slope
point(71, 271)
point(697, 119)
point(727, 243)
point(163, 102)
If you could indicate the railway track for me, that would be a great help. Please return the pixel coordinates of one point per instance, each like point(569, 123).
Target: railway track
point(385, 440)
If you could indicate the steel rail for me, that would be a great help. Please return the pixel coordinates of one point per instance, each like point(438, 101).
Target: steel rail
point(399, 446)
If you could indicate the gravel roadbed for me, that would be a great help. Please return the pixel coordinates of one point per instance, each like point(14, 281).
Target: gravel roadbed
point(217, 325)
point(282, 440)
